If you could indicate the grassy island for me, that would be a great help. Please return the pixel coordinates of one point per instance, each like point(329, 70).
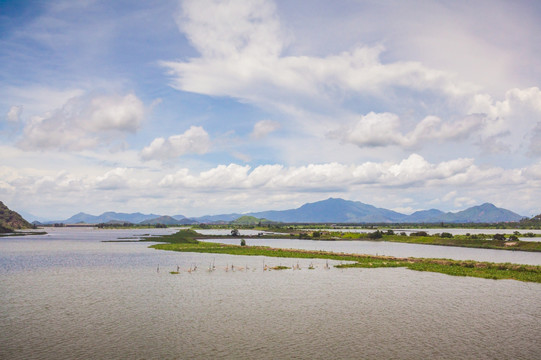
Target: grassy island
point(186, 241)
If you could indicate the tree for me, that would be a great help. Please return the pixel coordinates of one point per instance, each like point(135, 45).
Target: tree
point(499, 237)
point(235, 232)
point(242, 242)
point(375, 235)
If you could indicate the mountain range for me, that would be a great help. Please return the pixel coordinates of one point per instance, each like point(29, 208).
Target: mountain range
point(331, 210)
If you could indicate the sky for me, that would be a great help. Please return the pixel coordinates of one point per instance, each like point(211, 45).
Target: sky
point(204, 107)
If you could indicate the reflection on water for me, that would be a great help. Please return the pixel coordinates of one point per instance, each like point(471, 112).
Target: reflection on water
point(70, 296)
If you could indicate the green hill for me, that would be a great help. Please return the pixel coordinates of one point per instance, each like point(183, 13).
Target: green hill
point(250, 220)
point(10, 220)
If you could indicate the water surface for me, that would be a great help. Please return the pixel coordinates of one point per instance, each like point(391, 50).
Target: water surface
point(69, 295)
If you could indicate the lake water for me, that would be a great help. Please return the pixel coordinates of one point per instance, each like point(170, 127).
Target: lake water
point(68, 295)
point(396, 249)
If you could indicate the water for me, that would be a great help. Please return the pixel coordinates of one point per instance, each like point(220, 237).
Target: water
point(68, 295)
point(397, 249)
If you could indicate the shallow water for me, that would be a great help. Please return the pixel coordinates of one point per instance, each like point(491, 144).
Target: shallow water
point(69, 295)
point(397, 249)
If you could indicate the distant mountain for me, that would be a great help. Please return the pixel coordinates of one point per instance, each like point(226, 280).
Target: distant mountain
point(10, 220)
point(487, 213)
point(167, 220)
point(217, 218)
point(426, 216)
point(344, 211)
point(333, 210)
point(108, 216)
point(31, 217)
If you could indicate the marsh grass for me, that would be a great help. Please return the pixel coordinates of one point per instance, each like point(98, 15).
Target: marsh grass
point(185, 241)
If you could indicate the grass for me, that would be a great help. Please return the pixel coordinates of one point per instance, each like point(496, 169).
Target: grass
point(466, 241)
point(476, 241)
point(186, 241)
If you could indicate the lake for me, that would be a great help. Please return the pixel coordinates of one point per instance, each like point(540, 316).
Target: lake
point(69, 295)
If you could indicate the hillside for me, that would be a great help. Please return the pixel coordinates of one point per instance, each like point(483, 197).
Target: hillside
point(10, 220)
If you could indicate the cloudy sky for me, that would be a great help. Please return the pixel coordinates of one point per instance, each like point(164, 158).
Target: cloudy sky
point(202, 107)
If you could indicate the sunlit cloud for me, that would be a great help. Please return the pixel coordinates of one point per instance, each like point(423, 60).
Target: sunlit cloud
point(194, 140)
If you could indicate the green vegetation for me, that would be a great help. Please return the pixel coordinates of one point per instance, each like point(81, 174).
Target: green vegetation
point(11, 220)
point(186, 241)
point(250, 220)
point(483, 241)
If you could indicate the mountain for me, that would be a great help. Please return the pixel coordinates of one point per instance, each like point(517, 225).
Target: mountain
point(10, 220)
point(167, 220)
point(344, 211)
point(333, 210)
point(483, 213)
point(31, 217)
point(426, 216)
point(108, 216)
point(217, 218)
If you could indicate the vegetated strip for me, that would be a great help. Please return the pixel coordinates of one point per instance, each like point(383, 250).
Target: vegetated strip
point(186, 241)
point(504, 241)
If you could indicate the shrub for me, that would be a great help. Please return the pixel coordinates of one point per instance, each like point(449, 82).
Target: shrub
point(375, 235)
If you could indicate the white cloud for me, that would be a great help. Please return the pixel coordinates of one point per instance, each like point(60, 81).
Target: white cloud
point(384, 129)
point(194, 140)
point(512, 122)
point(14, 113)
point(414, 170)
point(263, 128)
point(83, 123)
point(242, 46)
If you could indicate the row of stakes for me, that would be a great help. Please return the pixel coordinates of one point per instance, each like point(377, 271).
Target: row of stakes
point(233, 268)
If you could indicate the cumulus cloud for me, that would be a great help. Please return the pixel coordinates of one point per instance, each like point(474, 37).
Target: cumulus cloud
point(84, 122)
point(263, 128)
point(242, 48)
point(14, 113)
point(384, 129)
point(414, 170)
point(511, 122)
point(194, 140)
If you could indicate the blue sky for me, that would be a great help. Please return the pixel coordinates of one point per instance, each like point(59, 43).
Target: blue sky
point(202, 107)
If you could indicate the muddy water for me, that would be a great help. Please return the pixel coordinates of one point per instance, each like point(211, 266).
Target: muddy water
point(69, 295)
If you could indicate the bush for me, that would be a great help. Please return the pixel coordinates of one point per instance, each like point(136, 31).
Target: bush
point(242, 242)
point(499, 237)
point(375, 235)
point(446, 235)
point(513, 238)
